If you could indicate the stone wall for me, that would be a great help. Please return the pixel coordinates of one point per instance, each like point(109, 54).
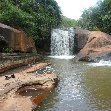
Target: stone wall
point(17, 39)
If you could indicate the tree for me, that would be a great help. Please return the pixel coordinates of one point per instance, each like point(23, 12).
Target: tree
point(67, 22)
point(98, 17)
point(35, 17)
point(85, 20)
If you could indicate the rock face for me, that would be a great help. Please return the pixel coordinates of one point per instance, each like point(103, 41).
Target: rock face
point(81, 37)
point(3, 43)
point(17, 39)
point(98, 46)
point(17, 62)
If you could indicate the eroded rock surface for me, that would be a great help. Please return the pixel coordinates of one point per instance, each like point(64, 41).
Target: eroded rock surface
point(17, 39)
point(11, 62)
point(9, 98)
point(81, 37)
point(97, 47)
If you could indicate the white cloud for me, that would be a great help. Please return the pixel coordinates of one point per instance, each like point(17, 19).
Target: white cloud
point(73, 8)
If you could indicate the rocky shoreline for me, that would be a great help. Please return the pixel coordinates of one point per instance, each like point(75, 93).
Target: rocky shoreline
point(11, 98)
point(97, 46)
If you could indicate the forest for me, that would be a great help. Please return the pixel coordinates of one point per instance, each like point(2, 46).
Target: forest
point(97, 18)
point(38, 17)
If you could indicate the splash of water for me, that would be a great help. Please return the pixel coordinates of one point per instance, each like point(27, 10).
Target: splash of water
point(101, 63)
point(62, 57)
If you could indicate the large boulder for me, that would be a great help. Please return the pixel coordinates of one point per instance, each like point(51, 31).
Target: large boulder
point(97, 47)
point(17, 39)
point(81, 37)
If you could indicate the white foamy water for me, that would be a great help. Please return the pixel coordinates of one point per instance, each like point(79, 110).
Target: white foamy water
point(62, 42)
point(101, 63)
point(62, 57)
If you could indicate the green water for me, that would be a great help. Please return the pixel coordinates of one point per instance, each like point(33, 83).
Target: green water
point(82, 87)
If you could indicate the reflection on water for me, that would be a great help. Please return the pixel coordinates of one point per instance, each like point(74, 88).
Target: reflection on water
point(81, 88)
point(98, 87)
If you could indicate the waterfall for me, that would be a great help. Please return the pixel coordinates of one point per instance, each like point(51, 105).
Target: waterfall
point(62, 42)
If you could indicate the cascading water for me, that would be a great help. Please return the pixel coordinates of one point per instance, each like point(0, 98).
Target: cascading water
point(101, 63)
point(62, 42)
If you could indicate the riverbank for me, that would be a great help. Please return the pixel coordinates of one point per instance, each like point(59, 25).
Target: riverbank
point(11, 98)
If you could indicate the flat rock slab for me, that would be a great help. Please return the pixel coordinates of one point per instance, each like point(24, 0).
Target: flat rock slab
point(36, 67)
point(8, 64)
point(9, 101)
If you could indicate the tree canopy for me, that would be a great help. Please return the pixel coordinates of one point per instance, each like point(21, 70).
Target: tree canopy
point(67, 22)
point(98, 17)
point(35, 17)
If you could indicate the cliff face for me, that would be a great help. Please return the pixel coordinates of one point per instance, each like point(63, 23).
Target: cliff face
point(17, 39)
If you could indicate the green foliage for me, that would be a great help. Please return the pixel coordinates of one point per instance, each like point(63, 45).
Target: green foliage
point(67, 22)
point(35, 17)
point(85, 20)
point(8, 50)
point(98, 17)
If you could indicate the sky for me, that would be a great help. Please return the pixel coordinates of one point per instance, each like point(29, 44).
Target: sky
point(73, 8)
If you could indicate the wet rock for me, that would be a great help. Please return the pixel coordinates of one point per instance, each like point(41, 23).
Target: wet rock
point(81, 37)
point(87, 58)
point(97, 47)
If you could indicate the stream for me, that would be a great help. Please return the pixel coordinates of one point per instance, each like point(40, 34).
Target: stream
point(82, 87)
